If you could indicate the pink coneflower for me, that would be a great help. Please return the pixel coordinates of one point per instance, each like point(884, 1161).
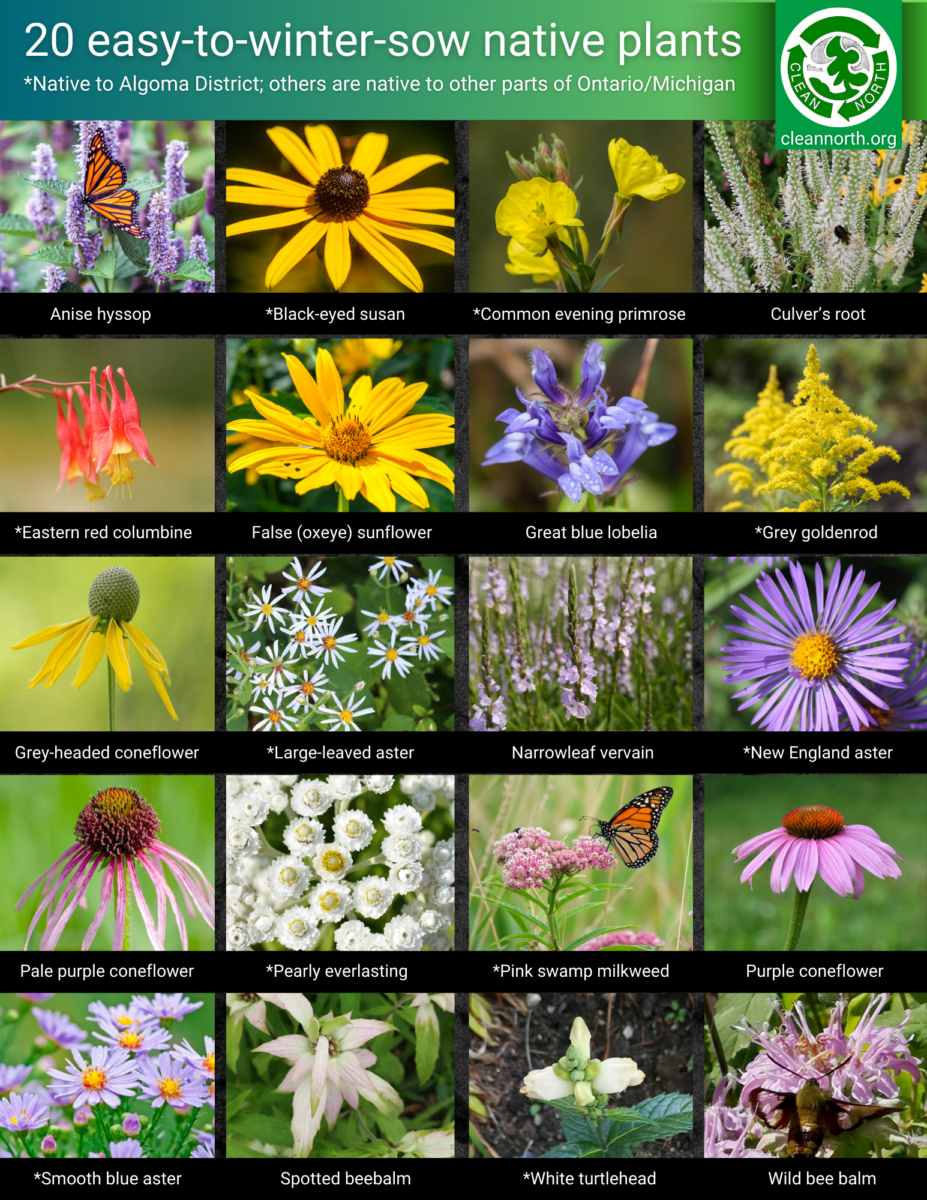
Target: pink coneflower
point(114, 831)
point(813, 840)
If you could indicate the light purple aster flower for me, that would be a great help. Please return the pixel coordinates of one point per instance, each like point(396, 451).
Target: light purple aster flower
point(814, 663)
point(203, 1152)
point(167, 1007)
point(21, 1113)
point(12, 1077)
point(126, 1150)
point(205, 1138)
point(906, 706)
point(168, 1080)
point(41, 208)
point(162, 254)
point(177, 155)
point(108, 1075)
point(61, 1030)
point(146, 1038)
point(203, 1063)
point(36, 997)
point(813, 840)
point(119, 1014)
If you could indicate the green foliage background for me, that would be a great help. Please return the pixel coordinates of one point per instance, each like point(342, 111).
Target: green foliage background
point(176, 612)
point(37, 818)
point(653, 899)
point(891, 914)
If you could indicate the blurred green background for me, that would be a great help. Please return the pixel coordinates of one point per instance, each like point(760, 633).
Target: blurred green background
point(249, 253)
point(37, 818)
point(655, 252)
point(192, 1028)
point(173, 380)
point(176, 612)
point(257, 364)
point(891, 914)
point(884, 379)
point(499, 365)
point(657, 896)
point(903, 580)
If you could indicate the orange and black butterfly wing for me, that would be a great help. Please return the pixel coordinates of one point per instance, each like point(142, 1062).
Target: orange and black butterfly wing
point(105, 192)
point(632, 830)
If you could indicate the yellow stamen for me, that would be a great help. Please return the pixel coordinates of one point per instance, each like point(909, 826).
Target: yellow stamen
point(815, 655)
point(94, 1080)
point(346, 440)
point(347, 716)
point(169, 1088)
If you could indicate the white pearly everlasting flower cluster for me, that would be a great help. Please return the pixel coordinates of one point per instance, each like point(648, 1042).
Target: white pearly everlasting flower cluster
point(325, 872)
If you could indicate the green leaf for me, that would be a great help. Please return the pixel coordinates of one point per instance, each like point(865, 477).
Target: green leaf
point(233, 1031)
point(397, 723)
point(232, 1106)
point(519, 912)
point(670, 1112)
point(587, 937)
point(237, 1150)
point(577, 1127)
point(427, 1041)
point(135, 249)
point(426, 725)
point(62, 256)
point(16, 223)
point(390, 1068)
point(447, 645)
point(573, 1150)
point(145, 183)
point(270, 1129)
point(189, 205)
point(54, 187)
point(597, 287)
point(105, 266)
point(192, 268)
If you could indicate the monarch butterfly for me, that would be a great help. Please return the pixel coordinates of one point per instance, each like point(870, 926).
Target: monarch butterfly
point(105, 191)
point(632, 830)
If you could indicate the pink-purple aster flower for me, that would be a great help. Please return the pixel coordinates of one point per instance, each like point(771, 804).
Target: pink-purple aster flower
point(167, 1007)
point(61, 1030)
point(906, 706)
point(107, 1076)
point(203, 1152)
point(131, 1125)
point(126, 1150)
point(813, 840)
point(12, 1077)
point(35, 997)
point(136, 1038)
point(203, 1062)
point(814, 663)
point(122, 1015)
point(49, 1145)
point(116, 830)
point(168, 1080)
point(21, 1113)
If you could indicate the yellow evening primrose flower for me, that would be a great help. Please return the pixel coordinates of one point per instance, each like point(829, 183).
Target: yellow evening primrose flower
point(339, 200)
point(354, 355)
point(638, 173)
point(535, 210)
point(543, 269)
point(374, 447)
point(107, 629)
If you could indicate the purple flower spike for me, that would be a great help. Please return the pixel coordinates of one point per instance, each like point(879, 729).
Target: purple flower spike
point(41, 208)
point(177, 155)
point(54, 278)
point(814, 663)
point(162, 254)
point(209, 183)
point(544, 374)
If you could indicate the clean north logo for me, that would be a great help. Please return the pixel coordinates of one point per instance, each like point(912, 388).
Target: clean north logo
point(838, 67)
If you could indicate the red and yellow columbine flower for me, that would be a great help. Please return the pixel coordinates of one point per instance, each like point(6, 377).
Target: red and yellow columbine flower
point(113, 600)
point(117, 436)
point(75, 463)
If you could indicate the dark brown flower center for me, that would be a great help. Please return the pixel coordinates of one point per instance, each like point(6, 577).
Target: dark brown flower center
point(813, 821)
point(117, 822)
point(342, 192)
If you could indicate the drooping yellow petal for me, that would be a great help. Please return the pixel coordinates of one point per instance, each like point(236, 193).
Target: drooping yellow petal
point(424, 237)
point(329, 381)
point(400, 171)
point(324, 145)
point(388, 255)
point(116, 649)
point(44, 635)
point(434, 197)
point(308, 390)
point(272, 221)
point(407, 487)
point(295, 152)
point(409, 215)
point(368, 153)
point(63, 654)
point(294, 252)
point(150, 648)
point(161, 690)
point(377, 490)
point(90, 660)
point(274, 199)
point(338, 253)
point(263, 179)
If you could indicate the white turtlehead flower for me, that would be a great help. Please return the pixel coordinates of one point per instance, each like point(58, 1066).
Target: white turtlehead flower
point(405, 877)
point(378, 783)
point(297, 929)
point(403, 933)
point(345, 787)
point(303, 836)
point(372, 896)
point(250, 806)
point(332, 861)
point(241, 840)
point(352, 935)
point(311, 798)
point(401, 848)
point(330, 901)
point(287, 877)
point(261, 924)
point(354, 830)
point(236, 936)
point(402, 818)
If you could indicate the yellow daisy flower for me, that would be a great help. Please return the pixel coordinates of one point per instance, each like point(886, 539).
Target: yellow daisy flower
point(373, 448)
point(113, 601)
point(340, 199)
point(354, 355)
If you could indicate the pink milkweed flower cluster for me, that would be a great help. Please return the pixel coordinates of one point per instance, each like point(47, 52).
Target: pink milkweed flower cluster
point(530, 857)
point(623, 937)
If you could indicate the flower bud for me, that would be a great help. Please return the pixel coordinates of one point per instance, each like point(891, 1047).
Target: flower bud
point(583, 1096)
point(131, 1125)
point(49, 1145)
point(521, 170)
point(82, 1116)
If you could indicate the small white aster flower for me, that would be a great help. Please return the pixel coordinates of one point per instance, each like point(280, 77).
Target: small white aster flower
point(388, 657)
point(413, 615)
point(236, 936)
point(378, 783)
point(352, 935)
point(353, 829)
point(250, 806)
point(406, 877)
point(311, 798)
point(314, 619)
point(261, 684)
point(261, 924)
point(433, 590)
point(381, 622)
point(401, 848)
point(343, 716)
point(297, 929)
point(288, 877)
point(276, 667)
point(402, 818)
point(330, 900)
point(304, 584)
point(403, 933)
point(332, 861)
point(303, 836)
point(265, 609)
point(238, 645)
point(241, 840)
point(422, 646)
point(273, 719)
point(297, 638)
point(305, 693)
point(372, 896)
point(329, 645)
point(387, 563)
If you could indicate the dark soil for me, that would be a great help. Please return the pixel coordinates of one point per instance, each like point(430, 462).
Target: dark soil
point(660, 1044)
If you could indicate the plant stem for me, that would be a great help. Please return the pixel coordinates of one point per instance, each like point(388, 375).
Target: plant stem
point(343, 502)
point(798, 917)
point(111, 697)
point(127, 932)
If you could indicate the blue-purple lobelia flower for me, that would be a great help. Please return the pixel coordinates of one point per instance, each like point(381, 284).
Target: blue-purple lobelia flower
point(578, 438)
point(162, 253)
point(61, 1030)
point(906, 705)
point(177, 155)
point(41, 208)
point(814, 663)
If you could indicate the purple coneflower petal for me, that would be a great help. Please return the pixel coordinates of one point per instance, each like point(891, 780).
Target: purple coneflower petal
point(836, 867)
point(106, 891)
point(120, 907)
point(78, 884)
point(161, 890)
point(806, 864)
point(156, 940)
point(152, 864)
